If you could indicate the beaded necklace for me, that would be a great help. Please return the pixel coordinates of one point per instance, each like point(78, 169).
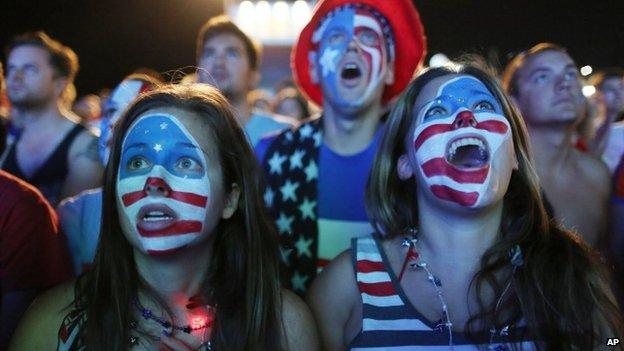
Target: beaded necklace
point(414, 259)
point(169, 328)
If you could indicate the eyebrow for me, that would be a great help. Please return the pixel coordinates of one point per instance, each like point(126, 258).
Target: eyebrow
point(186, 144)
point(136, 145)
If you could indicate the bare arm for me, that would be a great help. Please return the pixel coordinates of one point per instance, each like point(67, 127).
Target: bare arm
point(85, 170)
point(14, 304)
point(299, 327)
point(336, 304)
point(38, 330)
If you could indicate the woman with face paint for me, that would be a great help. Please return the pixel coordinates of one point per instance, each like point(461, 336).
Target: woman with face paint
point(186, 258)
point(464, 256)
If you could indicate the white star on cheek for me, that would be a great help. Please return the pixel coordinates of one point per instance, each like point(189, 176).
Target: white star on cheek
point(158, 147)
point(328, 60)
point(163, 125)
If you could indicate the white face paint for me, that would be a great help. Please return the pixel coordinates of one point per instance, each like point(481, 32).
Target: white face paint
point(351, 77)
point(163, 188)
point(120, 98)
point(462, 144)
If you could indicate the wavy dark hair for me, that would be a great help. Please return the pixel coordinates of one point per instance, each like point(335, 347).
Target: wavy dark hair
point(561, 290)
point(243, 269)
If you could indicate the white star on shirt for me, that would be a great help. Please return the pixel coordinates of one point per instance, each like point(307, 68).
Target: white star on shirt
point(295, 159)
point(328, 60)
point(318, 138)
point(305, 131)
point(311, 171)
point(298, 281)
point(284, 223)
point(303, 247)
point(276, 163)
point(158, 147)
point(288, 191)
point(163, 125)
point(307, 209)
point(268, 197)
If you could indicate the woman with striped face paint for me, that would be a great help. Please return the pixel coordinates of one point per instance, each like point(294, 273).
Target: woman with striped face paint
point(186, 258)
point(464, 256)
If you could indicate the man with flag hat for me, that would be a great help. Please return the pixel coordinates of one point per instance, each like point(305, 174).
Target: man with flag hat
point(352, 58)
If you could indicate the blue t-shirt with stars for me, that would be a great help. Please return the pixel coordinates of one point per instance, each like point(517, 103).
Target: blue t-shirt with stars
point(341, 186)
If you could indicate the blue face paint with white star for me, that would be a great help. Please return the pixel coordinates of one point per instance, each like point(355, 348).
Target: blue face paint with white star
point(159, 139)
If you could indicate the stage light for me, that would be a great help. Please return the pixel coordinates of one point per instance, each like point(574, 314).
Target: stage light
point(438, 60)
point(589, 90)
point(586, 70)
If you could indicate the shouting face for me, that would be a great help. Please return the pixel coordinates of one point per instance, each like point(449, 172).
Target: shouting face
point(169, 190)
point(352, 59)
point(461, 148)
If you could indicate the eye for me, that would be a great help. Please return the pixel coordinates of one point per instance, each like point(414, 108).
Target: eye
point(208, 53)
point(137, 163)
point(368, 37)
point(232, 53)
point(336, 38)
point(540, 78)
point(187, 164)
point(570, 75)
point(435, 111)
point(483, 106)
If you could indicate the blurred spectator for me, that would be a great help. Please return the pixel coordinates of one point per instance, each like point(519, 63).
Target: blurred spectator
point(289, 102)
point(33, 255)
point(80, 215)
point(88, 109)
point(260, 100)
point(53, 151)
point(544, 83)
point(610, 133)
point(228, 59)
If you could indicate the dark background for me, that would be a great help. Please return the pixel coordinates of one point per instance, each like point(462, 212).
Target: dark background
point(112, 38)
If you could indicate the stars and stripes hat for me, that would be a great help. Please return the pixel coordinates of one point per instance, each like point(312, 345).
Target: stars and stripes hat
point(409, 44)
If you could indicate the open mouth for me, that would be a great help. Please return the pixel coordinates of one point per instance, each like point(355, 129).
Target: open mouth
point(156, 217)
point(350, 74)
point(468, 152)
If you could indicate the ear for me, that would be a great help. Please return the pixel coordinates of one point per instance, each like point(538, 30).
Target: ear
point(60, 85)
point(313, 67)
point(254, 79)
point(389, 79)
point(404, 169)
point(231, 202)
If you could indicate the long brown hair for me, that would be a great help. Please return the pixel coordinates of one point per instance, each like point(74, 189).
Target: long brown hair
point(243, 275)
point(560, 291)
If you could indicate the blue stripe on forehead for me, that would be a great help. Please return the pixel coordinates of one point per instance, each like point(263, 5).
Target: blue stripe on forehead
point(460, 92)
point(161, 140)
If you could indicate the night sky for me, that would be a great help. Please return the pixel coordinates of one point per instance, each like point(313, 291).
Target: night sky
point(112, 38)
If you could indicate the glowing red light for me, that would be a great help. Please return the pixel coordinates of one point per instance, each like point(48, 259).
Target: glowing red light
point(198, 322)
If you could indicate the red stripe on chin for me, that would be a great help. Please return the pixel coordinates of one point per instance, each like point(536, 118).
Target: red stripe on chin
point(460, 197)
point(440, 167)
point(178, 228)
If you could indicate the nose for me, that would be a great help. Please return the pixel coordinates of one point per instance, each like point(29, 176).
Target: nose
point(157, 186)
point(464, 119)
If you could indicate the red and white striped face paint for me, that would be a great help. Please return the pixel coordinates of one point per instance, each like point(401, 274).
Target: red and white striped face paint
point(163, 188)
point(462, 144)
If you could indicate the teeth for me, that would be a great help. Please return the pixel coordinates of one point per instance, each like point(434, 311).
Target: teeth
point(156, 213)
point(350, 66)
point(156, 216)
point(463, 142)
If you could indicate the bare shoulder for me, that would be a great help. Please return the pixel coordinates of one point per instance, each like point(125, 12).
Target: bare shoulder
point(39, 327)
point(299, 327)
point(595, 172)
point(335, 301)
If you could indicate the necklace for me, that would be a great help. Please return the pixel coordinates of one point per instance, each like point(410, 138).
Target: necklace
point(169, 328)
point(414, 259)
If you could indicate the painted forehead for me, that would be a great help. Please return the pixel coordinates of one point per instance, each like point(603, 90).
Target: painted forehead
point(158, 127)
point(460, 91)
point(353, 15)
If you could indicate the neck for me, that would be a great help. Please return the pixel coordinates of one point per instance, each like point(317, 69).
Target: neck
point(552, 145)
point(242, 110)
point(178, 277)
point(46, 114)
point(457, 239)
point(348, 134)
